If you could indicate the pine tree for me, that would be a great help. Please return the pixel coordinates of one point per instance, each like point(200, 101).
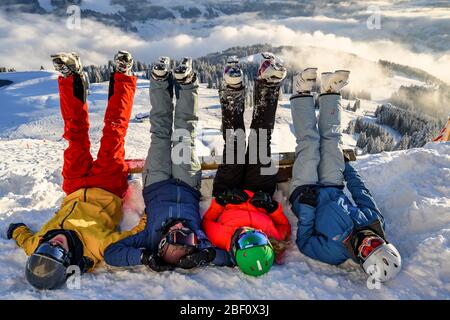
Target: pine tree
point(362, 140)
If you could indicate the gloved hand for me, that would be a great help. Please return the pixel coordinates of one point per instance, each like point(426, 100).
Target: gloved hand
point(308, 195)
point(199, 258)
point(346, 157)
point(264, 200)
point(11, 228)
point(85, 264)
point(154, 262)
point(235, 196)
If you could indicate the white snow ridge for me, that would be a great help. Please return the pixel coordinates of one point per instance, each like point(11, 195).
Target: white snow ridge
point(411, 187)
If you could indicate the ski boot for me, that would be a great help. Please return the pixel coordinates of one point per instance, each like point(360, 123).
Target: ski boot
point(305, 80)
point(123, 62)
point(267, 90)
point(271, 68)
point(233, 74)
point(160, 69)
point(67, 63)
point(184, 73)
point(333, 82)
point(232, 98)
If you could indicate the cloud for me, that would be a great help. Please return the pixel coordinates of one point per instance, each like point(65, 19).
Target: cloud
point(28, 40)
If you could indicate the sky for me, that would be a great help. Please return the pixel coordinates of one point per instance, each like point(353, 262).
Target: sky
point(28, 40)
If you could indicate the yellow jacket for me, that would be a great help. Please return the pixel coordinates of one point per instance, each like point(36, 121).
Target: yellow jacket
point(93, 214)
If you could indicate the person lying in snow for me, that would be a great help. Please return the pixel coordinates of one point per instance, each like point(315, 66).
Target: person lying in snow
point(91, 212)
point(330, 228)
point(172, 178)
point(243, 217)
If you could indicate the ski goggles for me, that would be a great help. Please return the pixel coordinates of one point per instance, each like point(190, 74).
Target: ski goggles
point(177, 244)
point(368, 245)
point(54, 252)
point(251, 238)
point(183, 237)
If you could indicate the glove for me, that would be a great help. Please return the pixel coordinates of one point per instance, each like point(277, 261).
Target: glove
point(264, 200)
point(308, 195)
point(12, 227)
point(197, 259)
point(154, 262)
point(235, 196)
point(346, 157)
point(349, 155)
point(85, 264)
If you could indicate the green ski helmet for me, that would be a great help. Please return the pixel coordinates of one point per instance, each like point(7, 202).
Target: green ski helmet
point(253, 252)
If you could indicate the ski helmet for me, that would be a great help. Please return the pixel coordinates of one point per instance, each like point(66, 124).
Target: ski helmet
point(253, 252)
point(382, 260)
point(46, 268)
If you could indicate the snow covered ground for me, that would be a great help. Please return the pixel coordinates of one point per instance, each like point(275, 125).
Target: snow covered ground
point(410, 186)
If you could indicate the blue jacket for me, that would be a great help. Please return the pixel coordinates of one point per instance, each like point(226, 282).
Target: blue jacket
point(323, 232)
point(165, 202)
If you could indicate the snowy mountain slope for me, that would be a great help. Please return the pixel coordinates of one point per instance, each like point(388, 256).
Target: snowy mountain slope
point(366, 74)
point(31, 109)
point(410, 186)
point(32, 96)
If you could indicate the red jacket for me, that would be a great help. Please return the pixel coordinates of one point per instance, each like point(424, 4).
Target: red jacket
point(220, 223)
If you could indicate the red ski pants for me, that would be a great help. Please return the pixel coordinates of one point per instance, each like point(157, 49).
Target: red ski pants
point(109, 171)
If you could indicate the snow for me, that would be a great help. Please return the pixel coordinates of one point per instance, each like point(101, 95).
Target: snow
point(46, 4)
point(394, 133)
point(384, 91)
point(411, 188)
point(103, 6)
point(254, 58)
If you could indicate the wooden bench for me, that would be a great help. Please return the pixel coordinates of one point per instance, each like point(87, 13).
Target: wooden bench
point(286, 161)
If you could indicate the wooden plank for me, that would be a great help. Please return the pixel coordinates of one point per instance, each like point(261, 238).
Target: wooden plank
point(286, 161)
point(135, 165)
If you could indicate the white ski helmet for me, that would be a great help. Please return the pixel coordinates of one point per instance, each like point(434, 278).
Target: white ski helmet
point(384, 263)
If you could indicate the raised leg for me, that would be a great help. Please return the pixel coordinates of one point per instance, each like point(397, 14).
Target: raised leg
point(74, 111)
point(231, 172)
point(332, 165)
point(185, 163)
point(110, 172)
point(260, 175)
point(307, 151)
point(158, 165)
